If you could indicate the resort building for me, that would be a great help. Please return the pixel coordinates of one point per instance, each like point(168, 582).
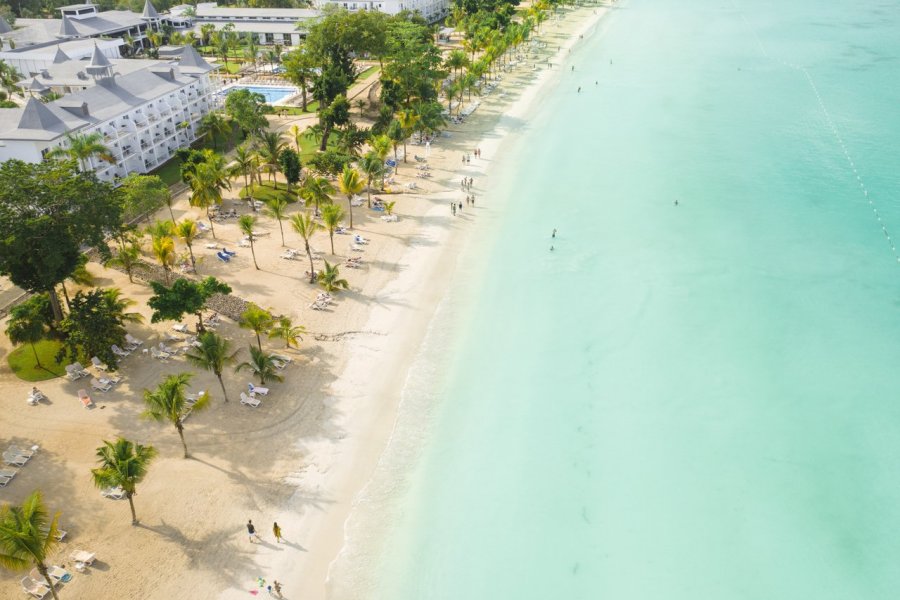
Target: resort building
point(84, 21)
point(144, 115)
point(32, 60)
point(283, 26)
point(431, 10)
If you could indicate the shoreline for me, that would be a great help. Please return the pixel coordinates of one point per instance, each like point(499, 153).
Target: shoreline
point(312, 575)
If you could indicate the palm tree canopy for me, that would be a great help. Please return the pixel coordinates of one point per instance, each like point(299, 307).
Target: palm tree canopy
point(213, 353)
point(304, 225)
point(332, 215)
point(27, 533)
point(349, 182)
point(255, 319)
point(316, 190)
point(122, 464)
point(167, 401)
point(285, 329)
point(261, 364)
point(246, 223)
point(329, 278)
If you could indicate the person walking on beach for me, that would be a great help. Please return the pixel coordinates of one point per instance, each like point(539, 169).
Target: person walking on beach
point(460, 207)
point(277, 586)
point(473, 199)
point(453, 208)
point(276, 529)
point(251, 531)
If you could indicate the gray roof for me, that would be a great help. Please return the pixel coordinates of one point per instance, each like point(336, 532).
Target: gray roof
point(34, 85)
point(66, 29)
point(4, 26)
point(74, 73)
point(149, 11)
point(36, 31)
point(98, 59)
point(191, 60)
point(231, 12)
point(60, 56)
point(40, 121)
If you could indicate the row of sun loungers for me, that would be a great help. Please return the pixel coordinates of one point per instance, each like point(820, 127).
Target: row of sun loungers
point(35, 396)
point(322, 301)
point(14, 457)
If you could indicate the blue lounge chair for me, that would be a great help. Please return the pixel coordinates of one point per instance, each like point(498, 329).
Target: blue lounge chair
point(228, 252)
point(223, 257)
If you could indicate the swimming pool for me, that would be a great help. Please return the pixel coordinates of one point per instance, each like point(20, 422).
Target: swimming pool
point(273, 94)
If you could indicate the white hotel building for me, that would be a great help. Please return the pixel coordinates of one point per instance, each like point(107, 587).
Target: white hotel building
point(431, 10)
point(144, 115)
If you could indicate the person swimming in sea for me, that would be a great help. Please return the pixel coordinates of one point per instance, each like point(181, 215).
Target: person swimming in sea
point(553, 235)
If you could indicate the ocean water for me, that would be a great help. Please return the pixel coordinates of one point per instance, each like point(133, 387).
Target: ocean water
point(679, 402)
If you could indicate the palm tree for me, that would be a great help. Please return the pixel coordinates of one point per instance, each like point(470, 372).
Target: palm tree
point(28, 536)
point(407, 120)
point(296, 134)
point(159, 229)
point(381, 146)
point(27, 325)
point(268, 148)
point(350, 185)
point(260, 364)
point(332, 215)
point(246, 224)
point(389, 207)
point(164, 251)
point(213, 354)
point(207, 182)
point(373, 167)
point(123, 464)
point(117, 306)
point(252, 50)
point(330, 280)
point(316, 190)
point(305, 226)
point(245, 164)
point(188, 232)
point(83, 147)
point(128, 257)
point(456, 61)
point(168, 403)
point(276, 209)
point(213, 124)
point(285, 329)
point(256, 320)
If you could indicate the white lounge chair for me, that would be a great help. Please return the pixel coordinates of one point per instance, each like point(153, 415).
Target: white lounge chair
point(72, 373)
point(283, 358)
point(57, 574)
point(80, 368)
point(8, 473)
point(34, 588)
point(256, 390)
point(61, 535)
point(26, 453)
point(109, 380)
point(119, 352)
point(249, 400)
point(115, 493)
point(99, 364)
point(97, 385)
point(14, 459)
point(82, 559)
point(180, 328)
point(159, 354)
point(35, 396)
point(279, 364)
point(133, 340)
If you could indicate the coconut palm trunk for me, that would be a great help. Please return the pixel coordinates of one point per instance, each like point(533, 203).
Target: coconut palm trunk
point(312, 269)
point(222, 384)
point(180, 429)
point(130, 496)
point(42, 569)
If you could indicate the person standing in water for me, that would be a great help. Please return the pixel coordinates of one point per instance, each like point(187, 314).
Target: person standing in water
point(553, 235)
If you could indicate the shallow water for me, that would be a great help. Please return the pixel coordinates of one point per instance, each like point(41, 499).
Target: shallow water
point(680, 402)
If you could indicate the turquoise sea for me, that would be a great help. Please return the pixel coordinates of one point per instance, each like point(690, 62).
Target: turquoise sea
point(698, 401)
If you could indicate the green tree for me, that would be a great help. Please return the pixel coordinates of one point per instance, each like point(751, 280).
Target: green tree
point(300, 69)
point(316, 190)
point(257, 320)
point(28, 536)
point(350, 185)
point(289, 161)
point(214, 125)
point(408, 119)
point(330, 279)
point(123, 464)
point(373, 167)
point(332, 215)
point(163, 248)
point(83, 147)
point(49, 212)
point(185, 297)
point(261, 364)
point(213, 354)
point(246, 223)
point(187, 231)
point(268, 148)
point(128, 257)
point(276, 208)
point(336, 114)
point(168, 403)
point(305, 227)
point(28, 323)
point(96, 321)
point(285, 329)
point(245, 164)
point(143, 194)
point(207, 181)
point(247, 109)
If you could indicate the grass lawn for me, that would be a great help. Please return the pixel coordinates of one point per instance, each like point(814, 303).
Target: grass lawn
point(267, 191)
point(367, 73)
point(170, 171)
point(21, 361)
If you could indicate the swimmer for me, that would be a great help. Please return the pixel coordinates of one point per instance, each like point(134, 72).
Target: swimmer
point(573, 67)
point(596, 83)
point(551, 248)
point(553, 235)
point(676, 201)
point(579, 89)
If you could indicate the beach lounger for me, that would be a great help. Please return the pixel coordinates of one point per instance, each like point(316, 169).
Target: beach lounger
point(26, 453)
point(85, 399)
point(249, 400)
point(360, 239)
point(283, 358)
point(180, 328)
point(159, 354)
point(257, 391)
point(35, 396)
point(11, 458)
point(223, 257)
point(72, 373)
point(114, 493)
point(352, 264)
point(133, 340)
point(82, 559)
point(109, 380)
point(4, 480)
point(100, 387)
point(99, 364)
point(34, 588)
point(80, 368)
point(8, 473)
point(119, 352)
point(279, 364)
point(212, 246)
point(57, 574)
point(172, 338)
point(389, 218)
point(228, 252)
point(61, 535)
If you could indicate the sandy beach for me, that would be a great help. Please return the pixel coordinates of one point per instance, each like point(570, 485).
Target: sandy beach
point(300, 458)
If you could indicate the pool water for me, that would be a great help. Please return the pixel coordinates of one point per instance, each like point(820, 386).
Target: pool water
point(272, 94)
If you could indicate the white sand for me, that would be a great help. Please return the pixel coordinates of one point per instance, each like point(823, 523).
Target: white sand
point(300, 458)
